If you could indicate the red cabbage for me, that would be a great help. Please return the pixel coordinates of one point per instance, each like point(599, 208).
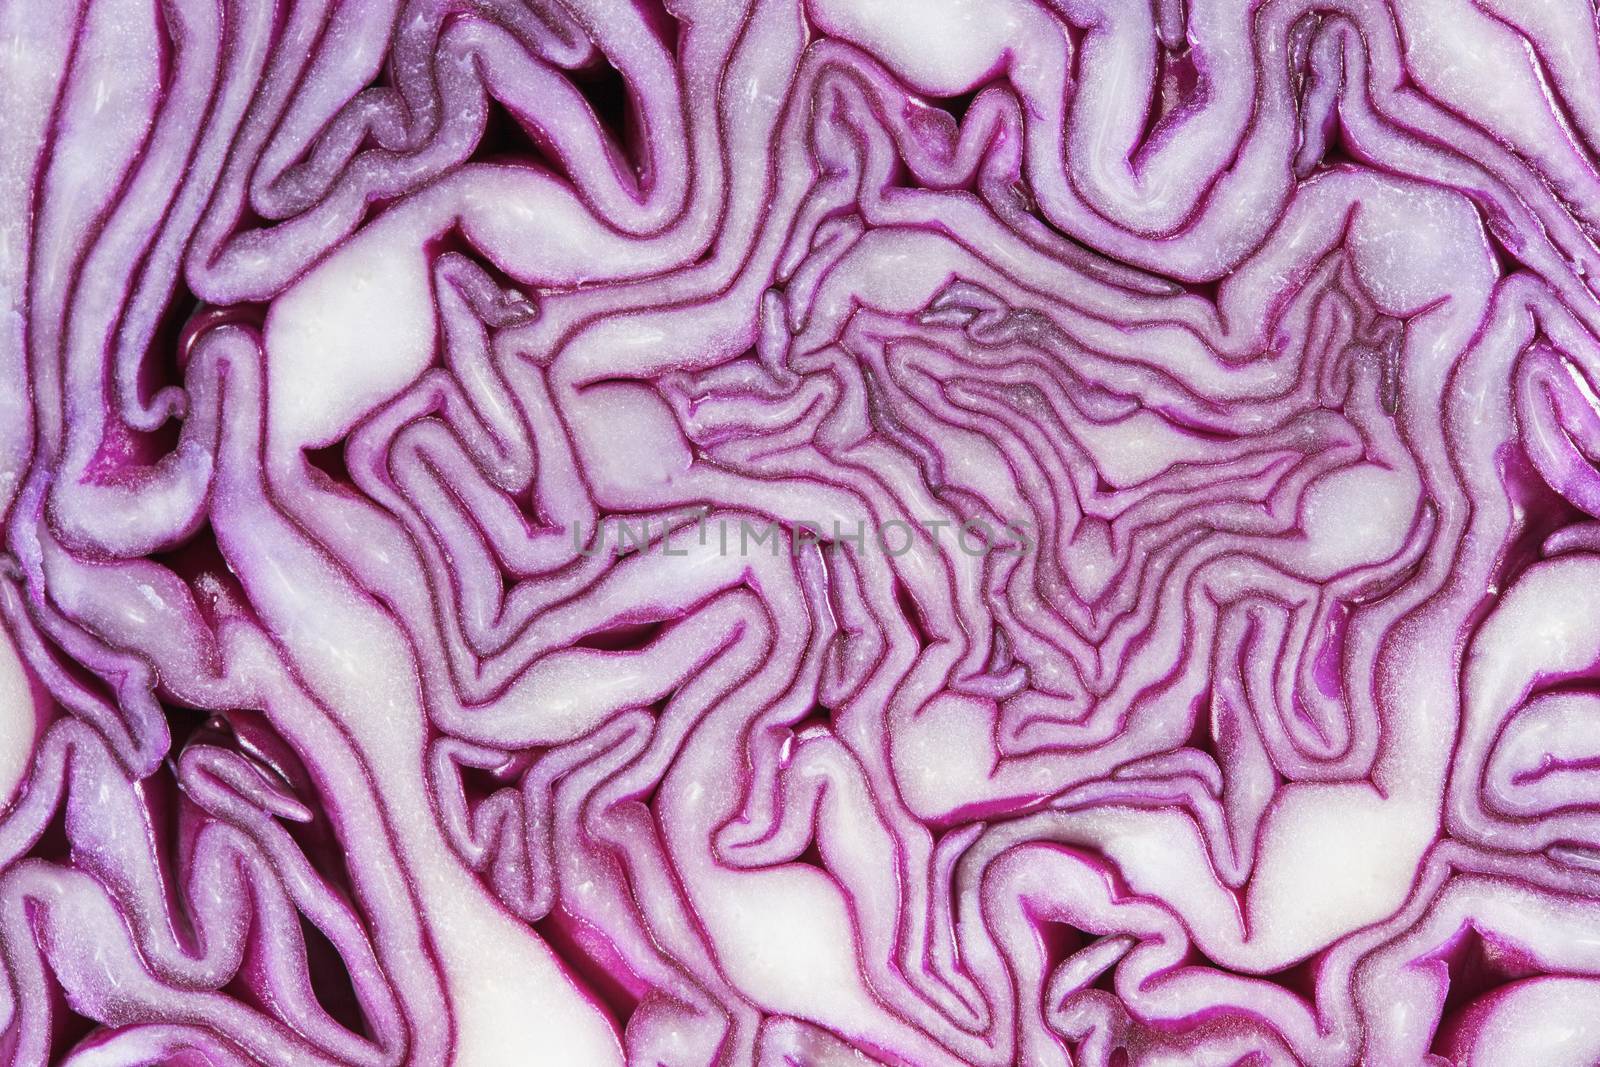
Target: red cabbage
point(799, 533)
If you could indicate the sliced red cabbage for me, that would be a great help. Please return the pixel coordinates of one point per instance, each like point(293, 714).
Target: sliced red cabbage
point(799, 533)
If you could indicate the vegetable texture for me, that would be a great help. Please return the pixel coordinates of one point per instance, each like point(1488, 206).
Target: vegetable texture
point(936, 533)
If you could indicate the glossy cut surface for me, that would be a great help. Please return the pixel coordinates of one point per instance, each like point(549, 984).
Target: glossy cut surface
point(799, 533)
